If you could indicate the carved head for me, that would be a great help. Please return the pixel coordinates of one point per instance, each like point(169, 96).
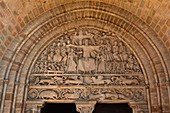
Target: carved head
point(115, 43)
point(86, 41)
point(121, 43)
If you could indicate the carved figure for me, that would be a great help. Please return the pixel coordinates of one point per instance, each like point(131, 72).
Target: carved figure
point(59, 80)
point(116, 51)
point(86, 63)
point(130, 63)
point(71, 64)
point(122, 52)
point(44, 55)
point(75, 94)
point(75, 80)
point(42, 67)
point(96, 96)
point(49, 94)
point(53, 47)
point(112, 96)
point(57, 56)
point(108, 55)
point(129, 81)
point(100, 80)
point(77, 37)
point(126, 94)
point(118, 80)
point(46, 81)
point(108, 50)
point(93, 94)
point(136, 66)
point(36, 68)
point(125, 81)
point(101, 62)
point(51, 56)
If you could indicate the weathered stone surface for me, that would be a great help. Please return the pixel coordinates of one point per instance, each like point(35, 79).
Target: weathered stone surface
point(28, 27)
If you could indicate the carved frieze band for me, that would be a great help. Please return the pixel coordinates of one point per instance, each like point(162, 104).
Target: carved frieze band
point(87, 93)
point(87, 79)
point(80, 64)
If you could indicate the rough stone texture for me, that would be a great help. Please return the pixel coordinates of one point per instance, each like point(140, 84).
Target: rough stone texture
point(26, 26)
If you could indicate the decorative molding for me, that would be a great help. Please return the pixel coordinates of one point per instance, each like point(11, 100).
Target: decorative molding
point(87, 94)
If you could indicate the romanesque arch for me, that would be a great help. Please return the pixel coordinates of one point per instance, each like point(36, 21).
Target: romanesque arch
point(87, 65)
point(90, 18)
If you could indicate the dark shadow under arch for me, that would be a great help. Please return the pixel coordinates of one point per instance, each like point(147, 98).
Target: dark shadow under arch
point(59, 108)
point(112, 108)
point(99, 108)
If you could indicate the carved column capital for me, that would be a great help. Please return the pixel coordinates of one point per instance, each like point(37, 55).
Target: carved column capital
point(133, 106)
point(6, 81)
point(138, 107)
point(85, 107)
point(34, 107)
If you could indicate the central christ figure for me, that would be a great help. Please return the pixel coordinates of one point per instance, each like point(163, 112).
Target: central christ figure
point(86, 63)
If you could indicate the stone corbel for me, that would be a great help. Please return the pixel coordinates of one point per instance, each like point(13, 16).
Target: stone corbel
point(85, 107)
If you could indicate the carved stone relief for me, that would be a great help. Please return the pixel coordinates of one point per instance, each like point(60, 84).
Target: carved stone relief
point(86, 79)
point(87, 52)
point(87, 65)
point(85, 107)
point(87, 93)
point(34, 107)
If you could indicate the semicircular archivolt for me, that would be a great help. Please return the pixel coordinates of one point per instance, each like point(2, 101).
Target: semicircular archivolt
point(68, 67)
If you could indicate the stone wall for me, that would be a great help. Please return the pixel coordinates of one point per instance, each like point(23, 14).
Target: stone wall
point(142, 25)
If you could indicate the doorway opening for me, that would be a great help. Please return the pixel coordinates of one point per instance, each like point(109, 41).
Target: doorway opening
point(112, 108)
point(59, 108)
point(99, 108)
